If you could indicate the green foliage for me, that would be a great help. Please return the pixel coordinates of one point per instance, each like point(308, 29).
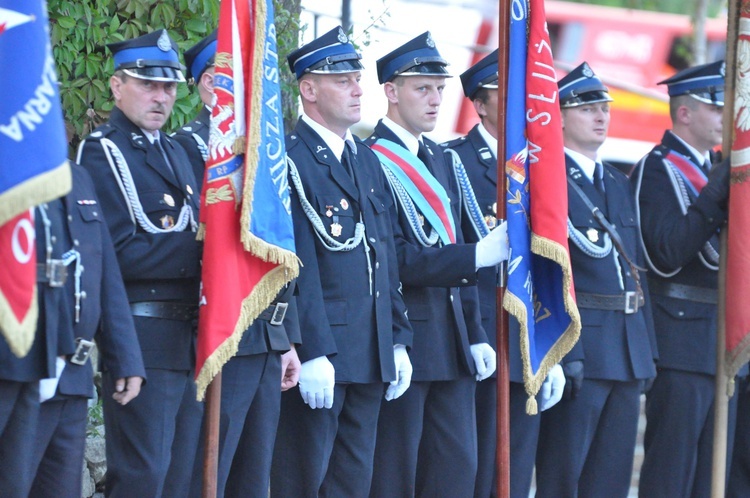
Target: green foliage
point(80, 31)
point(95, 419)
point(288, 32)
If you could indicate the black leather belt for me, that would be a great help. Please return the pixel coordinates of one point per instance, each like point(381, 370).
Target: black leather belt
point(275, 313)
point(682, 291)
point(627, 302)
point(166, 310)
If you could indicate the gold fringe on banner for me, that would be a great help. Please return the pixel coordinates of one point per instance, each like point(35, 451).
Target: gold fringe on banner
point(252, 306)
point(40, 189)
point(19, 335)
point(515, 306)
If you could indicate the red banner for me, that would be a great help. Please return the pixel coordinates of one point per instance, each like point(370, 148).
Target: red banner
point(738, 250)
point(245, 208)
point(34, 167)
point(18, 306)
point(540, 290)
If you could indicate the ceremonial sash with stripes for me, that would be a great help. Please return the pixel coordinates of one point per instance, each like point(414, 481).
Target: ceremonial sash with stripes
point(695, 177)
point(421, 186)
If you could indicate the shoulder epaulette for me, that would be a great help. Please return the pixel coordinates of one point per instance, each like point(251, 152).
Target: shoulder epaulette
point(453, 143)
point(291, 140)
point(101, 132)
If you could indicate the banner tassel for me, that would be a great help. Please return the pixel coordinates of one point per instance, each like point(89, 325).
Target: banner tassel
point(531, 406)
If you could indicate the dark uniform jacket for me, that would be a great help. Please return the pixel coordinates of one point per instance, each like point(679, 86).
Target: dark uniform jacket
point(439, 285)
point(481, 167)
point(614, 345)
point(685, 329)
point(200, 127)
point(156, 267)
point(341, 315)
point(104, 309)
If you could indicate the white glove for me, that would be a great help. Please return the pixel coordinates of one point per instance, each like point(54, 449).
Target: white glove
point(485, 359)
point(552, 388)
point(48, 387)
point(403, 373)
point(316, 380)
point(493, 249)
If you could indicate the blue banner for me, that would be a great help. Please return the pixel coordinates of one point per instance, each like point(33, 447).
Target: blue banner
point(32, 134)
point(539, 285)
point(271, 220)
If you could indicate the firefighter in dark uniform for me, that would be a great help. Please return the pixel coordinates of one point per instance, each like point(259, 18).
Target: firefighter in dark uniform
point(149, 198)
point(587, 441)
point(352, 317)
point(19, 377)
point(199, 63)
point(683, 203)
point(250, 388)
point(427, 442)
point(477, 152)
point(97, 309)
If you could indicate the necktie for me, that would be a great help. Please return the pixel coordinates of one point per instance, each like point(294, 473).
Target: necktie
point(157, 144)
point(424, 155)
point(348, 160)
point(599, 178)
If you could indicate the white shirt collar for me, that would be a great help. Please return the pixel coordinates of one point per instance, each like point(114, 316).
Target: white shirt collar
point(151, 137)
point(489, 139)
point(411, 142)
point(333, 141)
point(586, 164)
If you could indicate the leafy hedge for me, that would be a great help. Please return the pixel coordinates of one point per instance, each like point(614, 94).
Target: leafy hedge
point(81, 29)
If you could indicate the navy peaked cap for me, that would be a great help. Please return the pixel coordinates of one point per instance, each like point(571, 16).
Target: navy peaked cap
point(331, 53)
point(581, 86)
point(201, 56)
point(704, 82)
point(483, 74)
point(415, 57)
point(153, 56)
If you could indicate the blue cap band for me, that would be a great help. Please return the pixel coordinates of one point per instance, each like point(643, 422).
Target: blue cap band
point(477, 78)
point(309, 60)
point(130, 55)
point(409, 59)
point(199, 63)
point(693, 84)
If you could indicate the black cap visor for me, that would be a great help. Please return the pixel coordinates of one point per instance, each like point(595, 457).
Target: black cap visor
point(330, 67)
point(591, 97)
point(155, 73)
point(426, 69)
point(711, 97)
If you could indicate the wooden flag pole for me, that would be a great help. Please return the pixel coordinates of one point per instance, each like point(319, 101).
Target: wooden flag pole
point(211, 419)
point(721, 397)
point(503, 364)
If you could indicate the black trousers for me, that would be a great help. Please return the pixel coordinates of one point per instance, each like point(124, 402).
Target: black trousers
point(19, 415)
point(58, 448)
point(586, 445)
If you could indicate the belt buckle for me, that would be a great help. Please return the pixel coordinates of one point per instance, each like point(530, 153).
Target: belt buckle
point(631, 302)
point(57, 272)
point(279, 312)
point(83, 350)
